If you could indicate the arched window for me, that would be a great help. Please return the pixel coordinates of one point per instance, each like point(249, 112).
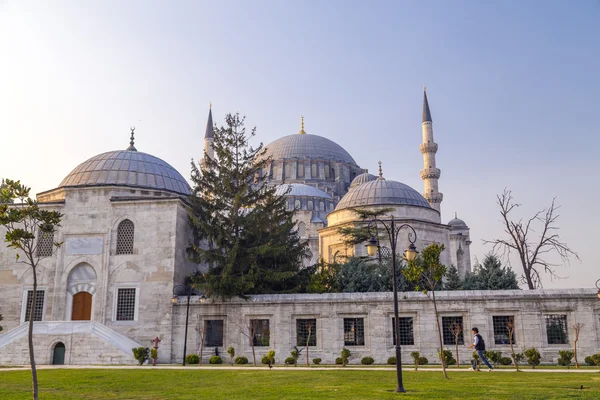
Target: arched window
point(310, 205)
point(326, 171)
point(125, 233)
point(300, 170)
point(45, 244)
point(288, 171)
point(297, 205)
point(322, 206)
point(332, 174)
point(314, 171)
point(301, 229)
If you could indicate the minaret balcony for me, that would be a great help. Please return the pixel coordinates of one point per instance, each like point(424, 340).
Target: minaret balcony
point(430, 173)
point(430, 147)
point(433, 197)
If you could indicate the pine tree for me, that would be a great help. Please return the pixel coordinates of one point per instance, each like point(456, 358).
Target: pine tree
point(242, 230)
point(491, 275)
point(453, 281)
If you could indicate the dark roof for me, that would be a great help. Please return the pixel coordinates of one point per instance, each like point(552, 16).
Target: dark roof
point(209, 126)
point(426, 112)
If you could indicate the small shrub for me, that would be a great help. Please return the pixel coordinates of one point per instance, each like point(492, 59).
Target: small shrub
point(565, 357)
point(290, 361)
point(448, 357)
point(367, 360)
point(391, 361)
point(316, 361)
point(141, 354)
point(215, 360)
point(269, 359)
point(423, 361)
point(596, 359)
point(518, 357)
point(338, 361)
point(345, 356)
point(192, 359)
point(493, 356)
point(241, 360)
point(533, 357)
point(264, 360)
point(592, 360)
point(231, 352)
point(505, 361)
point(154, 354)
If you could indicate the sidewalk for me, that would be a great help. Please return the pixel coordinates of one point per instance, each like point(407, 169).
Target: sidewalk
point(282, 368)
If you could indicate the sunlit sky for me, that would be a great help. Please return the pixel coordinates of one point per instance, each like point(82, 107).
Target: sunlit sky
point(513, 88)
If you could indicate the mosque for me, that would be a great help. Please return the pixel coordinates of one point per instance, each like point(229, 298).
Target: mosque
point(114, 284)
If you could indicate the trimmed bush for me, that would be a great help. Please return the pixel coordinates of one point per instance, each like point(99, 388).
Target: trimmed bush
point(215, 360)
point(231, 352)
point(290, 361)
point(241, 360)
point(448, 357)
point(316, 361)
point(505, 361)
point(367, 360)
point(493, 356)
point(269, 359)
point(533, 357)
point(345, 356)
point(153, 355)
point(141, 354)
point(565, 357)
point(592, 360)
point(424, 361)
point(338, 361)
point(391, 361)
point(192, 359)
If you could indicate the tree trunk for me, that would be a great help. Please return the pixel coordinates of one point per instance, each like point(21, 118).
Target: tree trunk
point(457, 360)
point(575, 350)
point(253, 354)
point(307, 341)
point(201, 347)
point(439, 335)
point(30, 338)
point(512, 352)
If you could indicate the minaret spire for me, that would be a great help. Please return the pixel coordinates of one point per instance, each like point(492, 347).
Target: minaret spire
point(131, 140)
point(430, 173)
point(302, 126)
point(208, 138)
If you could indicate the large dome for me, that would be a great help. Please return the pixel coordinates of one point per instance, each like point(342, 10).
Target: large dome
point(127, 168)
point(382, 192)
point(300, 190)
point(362, 178)
point(305, 146)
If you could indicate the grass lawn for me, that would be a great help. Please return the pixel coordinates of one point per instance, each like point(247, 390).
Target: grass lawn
point(147, 383)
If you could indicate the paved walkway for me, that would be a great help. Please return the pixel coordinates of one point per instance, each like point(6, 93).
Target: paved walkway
point(281, 368)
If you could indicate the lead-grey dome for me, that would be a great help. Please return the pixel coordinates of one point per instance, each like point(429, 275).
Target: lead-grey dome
point(362, 178)
point(382, 192)
point(457, 223)
point(299, 189)
point(305, 146)
point(127, 168)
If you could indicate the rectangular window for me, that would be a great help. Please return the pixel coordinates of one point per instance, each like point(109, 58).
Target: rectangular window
point(45, 244)
point(405, 325)
point(38, 310)
point(503, 326)
point(261, 332)
point(213, 337)
point(354, 331)
point(556, 329)
point(450, 324)
point(126, 304)
point(306, 330)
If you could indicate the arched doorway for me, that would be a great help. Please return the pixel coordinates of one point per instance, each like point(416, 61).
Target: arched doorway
point(58, 354)
point(82, 307)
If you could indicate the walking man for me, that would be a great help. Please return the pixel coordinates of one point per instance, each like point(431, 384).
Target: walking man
point(479, 345)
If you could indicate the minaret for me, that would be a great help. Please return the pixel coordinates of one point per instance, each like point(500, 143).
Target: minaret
point(430, 174)
point(208, 139)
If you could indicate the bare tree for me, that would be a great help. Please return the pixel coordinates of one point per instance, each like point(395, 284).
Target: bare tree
point(251, 328)
point(576, 328)
point(532, 250)
point(510, 330)
point(456, 329)
point(310, 326)
point(201, 329)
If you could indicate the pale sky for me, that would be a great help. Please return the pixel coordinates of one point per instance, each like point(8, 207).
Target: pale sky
point(513, 88)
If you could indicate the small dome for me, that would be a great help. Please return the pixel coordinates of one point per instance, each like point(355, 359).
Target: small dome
point(362, 178)
point(382, 192)
point(457, 223)
point(127, 168)
point(299, 189)
point(305, 146)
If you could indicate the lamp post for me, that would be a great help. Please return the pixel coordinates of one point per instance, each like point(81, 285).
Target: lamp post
point(183, 290)
point(598, 287)
point(392, 231)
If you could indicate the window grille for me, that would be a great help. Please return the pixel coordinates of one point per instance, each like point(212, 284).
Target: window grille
point(302, 328)
point(125, 233)
point(501, 335)
point(38, 310)
point(301, 171)
point(288, 171)
point(126, 304)
point(449, 337)
point(314, 171)
point(301, 229)
point(214, 333)
point(45, 244)
point(556, 329)
point(310, 205)
point(297, 205)
point(405, 325)
point(261, 332)
point(354, 331)
point(322, 206)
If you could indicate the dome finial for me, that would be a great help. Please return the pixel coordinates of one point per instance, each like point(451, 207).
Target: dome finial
point(455, 214)
point(131, 140)
point(380, 171)
point(210, 105)
point(302, 125)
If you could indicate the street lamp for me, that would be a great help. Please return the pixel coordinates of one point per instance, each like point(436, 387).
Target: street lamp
point(598, 287)
point(183, 290)
point(410, 254)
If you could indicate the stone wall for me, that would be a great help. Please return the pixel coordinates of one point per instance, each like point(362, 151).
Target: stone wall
point(477, 308)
